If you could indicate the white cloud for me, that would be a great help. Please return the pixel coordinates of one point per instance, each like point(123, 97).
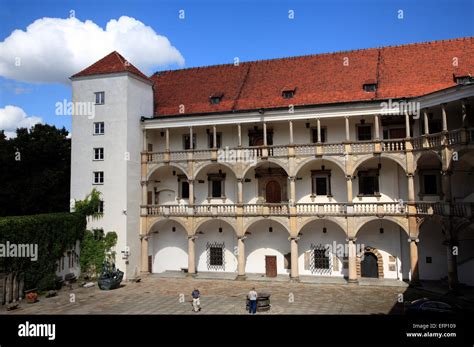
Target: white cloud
point(13, 117)
point(53, 49)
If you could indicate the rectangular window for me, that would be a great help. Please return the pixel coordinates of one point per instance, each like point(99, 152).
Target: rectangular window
point(314, 135)
point(186, 143)
point(256, 137)
point(99, 153)
point(321, 259)
point(369, 183)
point(210, 140)
point(185, 190)
point(364, 132)
point(99, 128)
point(216, 256)
point(321, 182)
point(100, 209)
point(430, 182)
point(216, 185)
point(98, 177)
point(99, 98)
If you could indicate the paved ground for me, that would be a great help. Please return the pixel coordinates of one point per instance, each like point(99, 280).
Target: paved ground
point(171, 295)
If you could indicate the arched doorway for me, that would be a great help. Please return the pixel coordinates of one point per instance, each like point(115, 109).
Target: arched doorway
point(273, 192)
point(368, 266)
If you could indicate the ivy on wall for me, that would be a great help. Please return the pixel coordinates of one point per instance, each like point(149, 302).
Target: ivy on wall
point(53, 234)
point(95, 249)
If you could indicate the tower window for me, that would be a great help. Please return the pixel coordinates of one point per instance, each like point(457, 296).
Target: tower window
point(99, 98)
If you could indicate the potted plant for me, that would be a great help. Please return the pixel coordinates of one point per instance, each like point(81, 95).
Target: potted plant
point(31, 296)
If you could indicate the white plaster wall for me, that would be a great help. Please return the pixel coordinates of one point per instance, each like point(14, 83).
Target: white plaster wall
point(431, 245)
point(126, 100)
point(312, 233)
point(169, 249)
point(167, 185)
point(211, 234)
point(261, 243)
point(393, 242)
point(338, 183)
point(201, 190)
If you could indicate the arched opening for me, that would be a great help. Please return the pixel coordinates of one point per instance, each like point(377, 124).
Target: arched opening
point(267, 182)
point(321, 181)
point(432, 257)
point(428, 185)
point(322, 249)
point(216, 246)
point(462, 176)
point(388, 242)
point(167, 186)
point(370, 265)
point(168, 247)
point(215, 184)
point(267, 249)
point(380, 179)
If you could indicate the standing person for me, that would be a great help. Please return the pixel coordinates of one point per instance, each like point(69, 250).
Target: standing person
point(252, 301)
point(196, 303)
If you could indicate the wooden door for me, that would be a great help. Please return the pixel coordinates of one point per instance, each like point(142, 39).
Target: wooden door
point(271, 265)
point(368, 266)
point(397, 133)
point(273, 192)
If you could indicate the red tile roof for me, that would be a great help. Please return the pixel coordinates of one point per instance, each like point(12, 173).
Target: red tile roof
point(111, 63)
point(399, 71)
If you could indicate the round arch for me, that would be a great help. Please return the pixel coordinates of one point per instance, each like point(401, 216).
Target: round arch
point(311, 160)
point(164, 221)
point(157, 167)
point(385, 218)
point(269, 219)
point(269, 160)
point(214, 164)
point(329, 219)
point(377, 254)
point(385, 157)
point(221, 221)
point(429, 156)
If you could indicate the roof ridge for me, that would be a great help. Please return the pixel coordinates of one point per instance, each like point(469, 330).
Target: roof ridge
point(465, 38)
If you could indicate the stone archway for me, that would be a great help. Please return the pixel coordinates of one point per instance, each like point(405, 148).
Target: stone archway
point(377, 254)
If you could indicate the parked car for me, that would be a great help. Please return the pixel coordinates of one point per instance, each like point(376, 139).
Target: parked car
point(425, 305)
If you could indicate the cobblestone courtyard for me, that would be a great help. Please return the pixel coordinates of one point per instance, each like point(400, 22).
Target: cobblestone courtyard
point(157, 295)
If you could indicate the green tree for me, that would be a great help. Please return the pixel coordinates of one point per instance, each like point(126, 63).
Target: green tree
point(35, 171)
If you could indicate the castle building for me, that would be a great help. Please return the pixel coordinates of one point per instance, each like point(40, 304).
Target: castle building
point(350, 164)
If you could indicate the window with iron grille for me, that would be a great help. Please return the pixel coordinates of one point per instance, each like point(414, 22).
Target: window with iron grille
point(215, 256)
point(320, 261)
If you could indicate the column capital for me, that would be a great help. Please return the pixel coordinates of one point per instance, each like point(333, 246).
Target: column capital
point(446, 172)
point(349, 177)
point(144, 237)
point(292, 178)
point(413, 239)
point(144, 183)
point(192, 237)
point(351, 239)
point(241, 237)
point(240, 179)
point(294, 238)
point(410, 175)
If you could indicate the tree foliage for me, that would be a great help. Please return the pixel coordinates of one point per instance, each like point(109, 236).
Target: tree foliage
point(35, 171)
point(95, 249)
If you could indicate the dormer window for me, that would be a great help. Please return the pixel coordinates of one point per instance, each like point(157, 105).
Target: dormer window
point(216, 98)
point(288, 93)
point(370, 87)
point(463, 79)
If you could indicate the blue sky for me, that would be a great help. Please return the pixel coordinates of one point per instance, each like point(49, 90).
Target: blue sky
point(214, 32)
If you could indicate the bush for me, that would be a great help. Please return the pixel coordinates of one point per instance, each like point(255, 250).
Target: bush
point(95, 249)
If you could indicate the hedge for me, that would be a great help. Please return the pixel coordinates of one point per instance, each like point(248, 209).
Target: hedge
point(54, 233)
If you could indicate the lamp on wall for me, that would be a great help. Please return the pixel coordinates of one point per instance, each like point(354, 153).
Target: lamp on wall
point(220, 226)
point(307, 125)
point(325, 230)
point(270, 228)
point(381, 228)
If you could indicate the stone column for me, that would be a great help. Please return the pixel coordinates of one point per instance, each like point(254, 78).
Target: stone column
point(240, 191)
point(191, 146)
point(214, 137)
point(352, 260)
point(446, 185)
point(348, 134)
point(294, 273)
point(318, 123)
point(241, 257)
point(292, 180)
point(377, 127)
point(349, 189)
point(239, 135)
point(415, 278)
point(145, 268)
point(407, 125)
point(191, 255)
point(265, 134)
point(167, 140)
point(465, 121)
point(191, 192)
point(411, 187)
point(427, 124)
point(290, 125)
point(444, 117)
